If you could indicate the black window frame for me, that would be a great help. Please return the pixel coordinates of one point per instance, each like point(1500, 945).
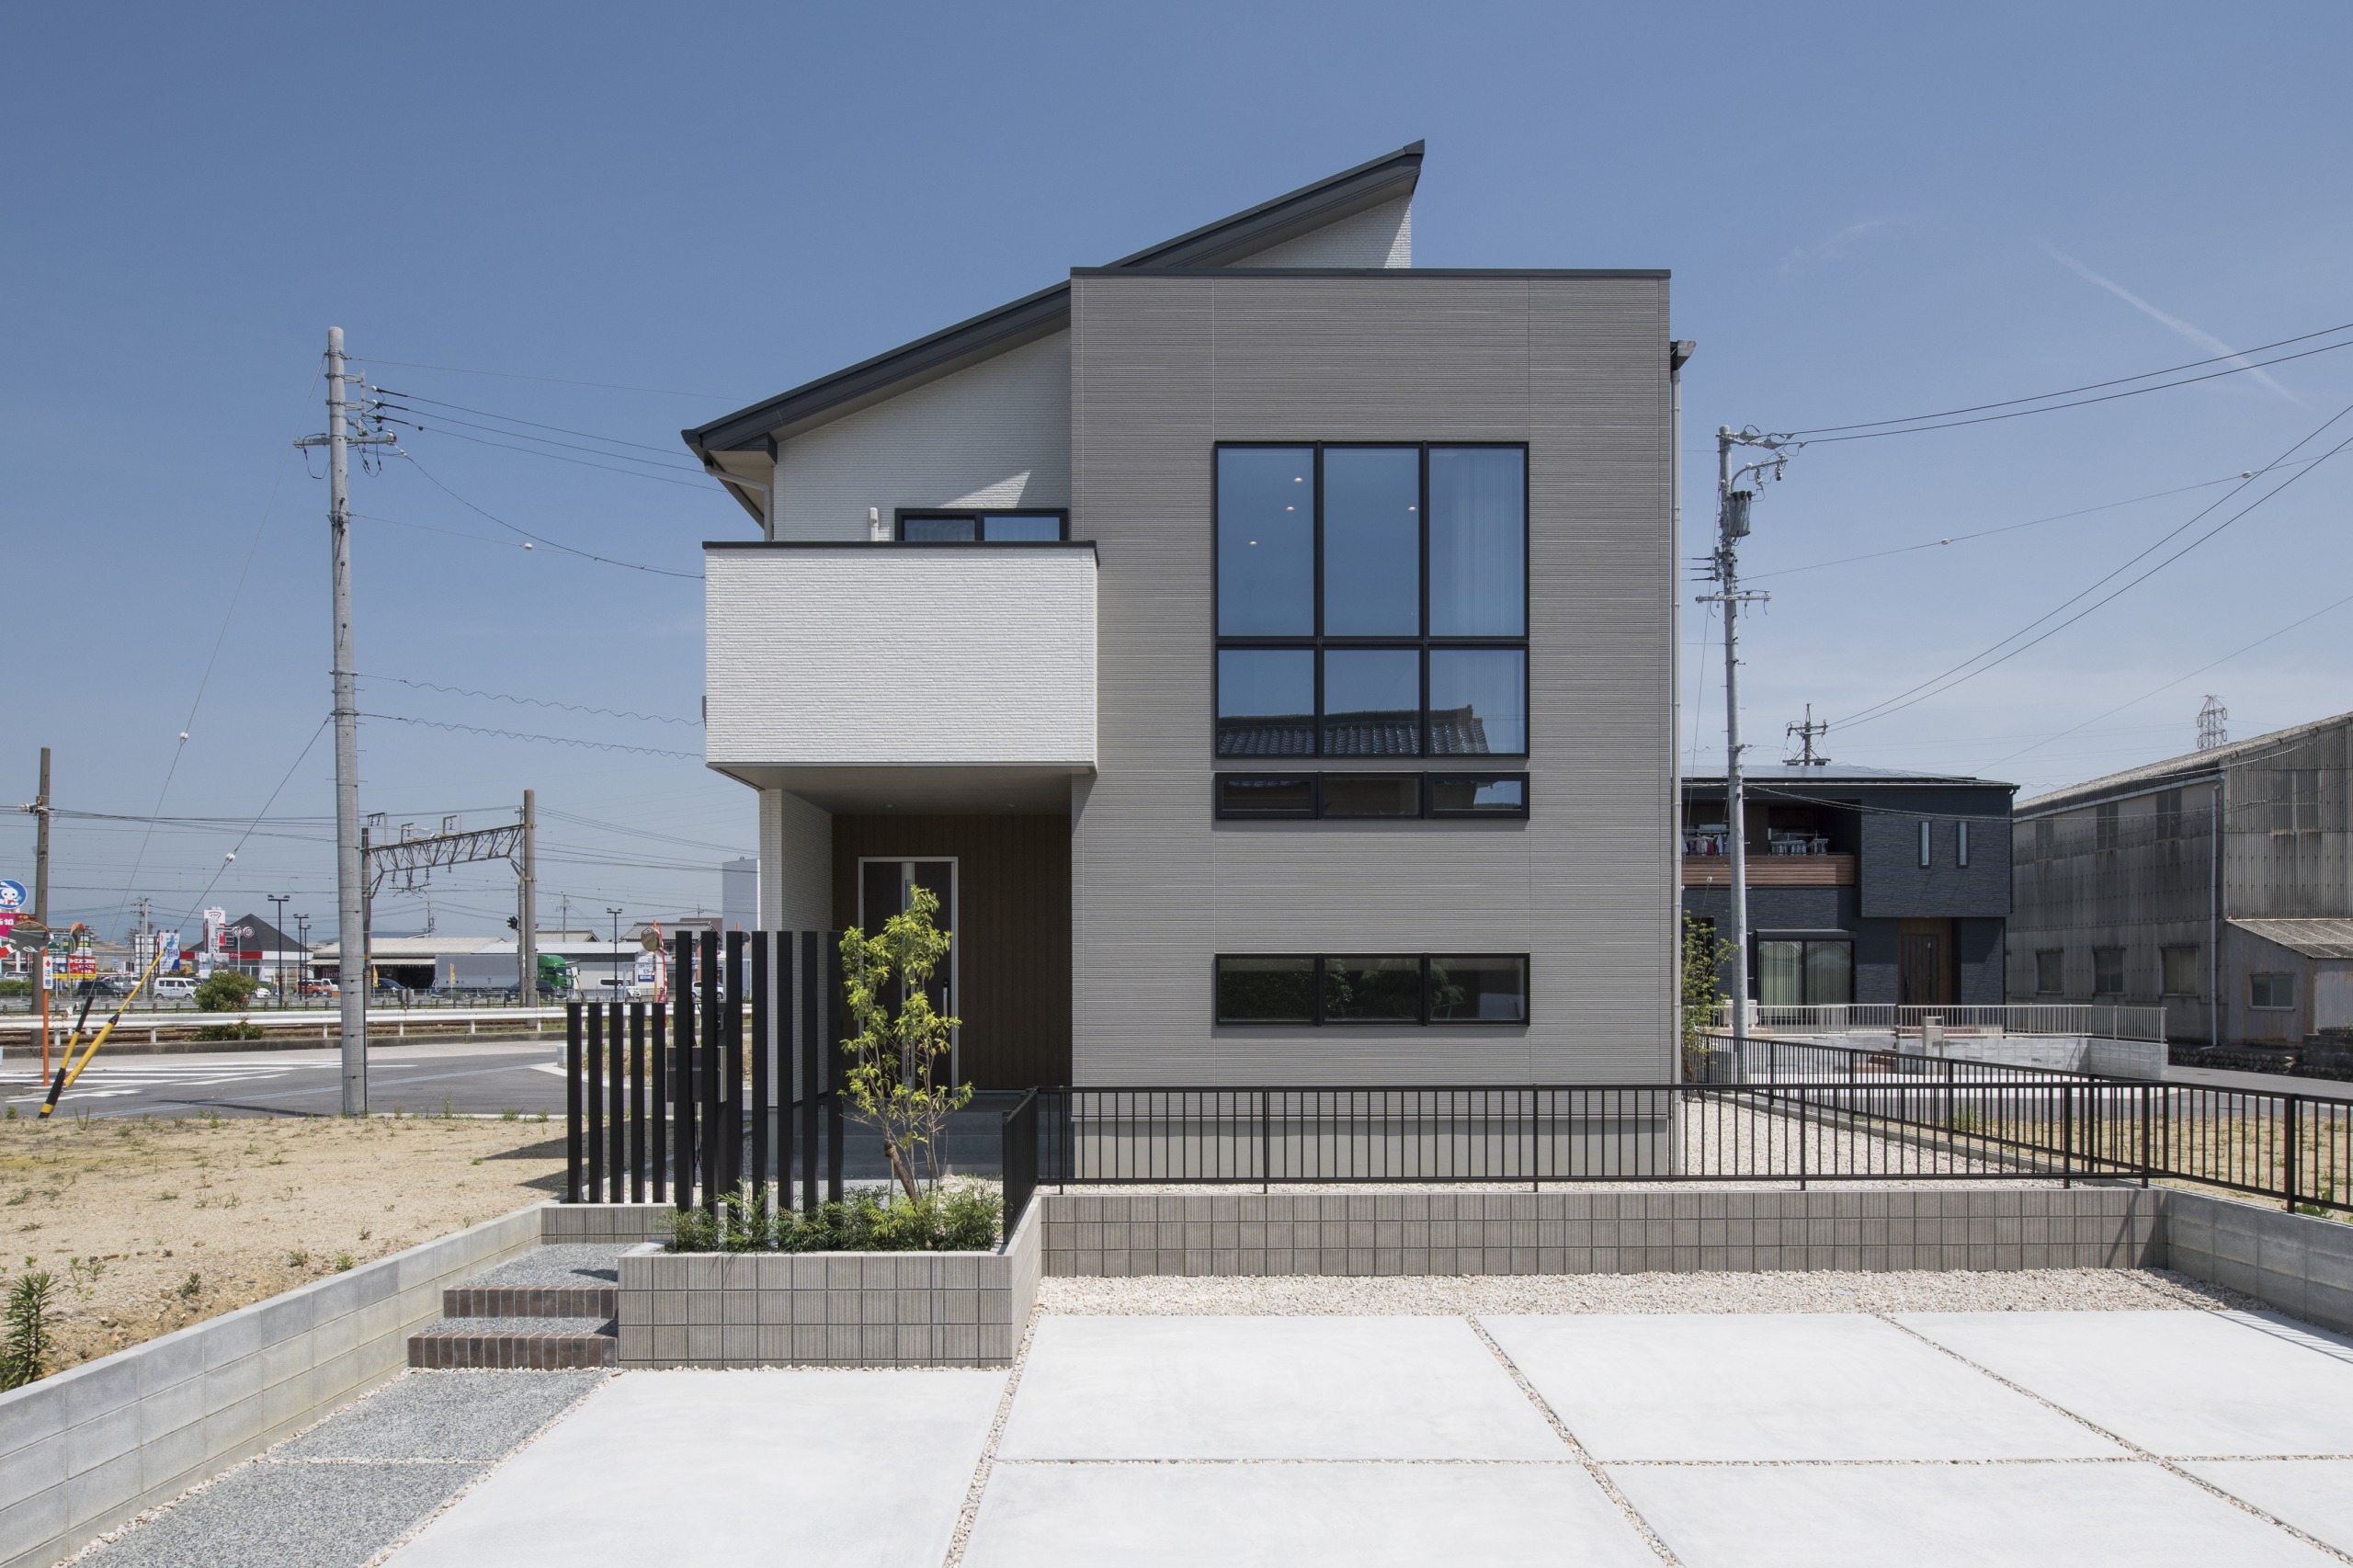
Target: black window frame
point(1423, 644)
point(902, 516)
point(1316, 982)
point(1430, 811)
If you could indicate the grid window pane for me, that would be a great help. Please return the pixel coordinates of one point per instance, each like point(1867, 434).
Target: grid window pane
point(1780, 973)
point(1496, 795)
point(1028, 528)
point(1265, 991)
point(1266, 702)
point(1478, 701)
point(1478, 541)
point(1372, 795)
point(1265, 541)
point(1372, 702)
point(938, 530)
point(1266, 795)
point(1372, 990)
point(1486, 989)
point(1829, 972)
point(2050, 972)
point(1372, 541)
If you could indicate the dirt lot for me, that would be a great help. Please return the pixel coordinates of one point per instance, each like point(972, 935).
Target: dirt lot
point(151, 1225)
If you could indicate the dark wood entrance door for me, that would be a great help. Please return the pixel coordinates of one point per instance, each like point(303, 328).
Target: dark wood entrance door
point(1924, 964)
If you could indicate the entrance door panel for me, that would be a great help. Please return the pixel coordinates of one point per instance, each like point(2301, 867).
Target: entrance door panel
point(1924, 964)
point(886, 887)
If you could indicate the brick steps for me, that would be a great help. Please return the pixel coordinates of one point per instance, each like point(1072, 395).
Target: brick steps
point(521, 1328)
point(531, 1302)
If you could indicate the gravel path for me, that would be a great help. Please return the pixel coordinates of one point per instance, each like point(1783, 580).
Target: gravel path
point(579, 1264)
point(2037, 1289)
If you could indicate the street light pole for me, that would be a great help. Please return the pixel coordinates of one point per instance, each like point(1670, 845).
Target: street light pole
point(277, 926)
point(616, 951)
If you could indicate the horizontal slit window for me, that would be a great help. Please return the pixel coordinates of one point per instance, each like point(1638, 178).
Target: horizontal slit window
point(1346, 796)
point(1351, 989)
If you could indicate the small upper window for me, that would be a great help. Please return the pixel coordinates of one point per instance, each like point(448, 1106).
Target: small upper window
point(982, 528)
point(1927, 844)
point(2107, 971)
point(2106, 828)
point(2050, 972)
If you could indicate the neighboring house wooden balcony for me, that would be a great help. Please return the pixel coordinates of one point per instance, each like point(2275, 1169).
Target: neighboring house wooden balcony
point(1772, 870)
point(902, 676)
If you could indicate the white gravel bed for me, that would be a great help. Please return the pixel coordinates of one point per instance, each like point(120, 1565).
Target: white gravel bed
point(1331, 1190)
point(2033, 1290)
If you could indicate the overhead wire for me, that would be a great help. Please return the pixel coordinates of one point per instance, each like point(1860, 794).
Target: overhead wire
point(511, 419)
point(553, 457)
point(538, 702)
point(541, 539)
point(553, 381)
point(519, 736)
point(1956, 675)
point(230, 858)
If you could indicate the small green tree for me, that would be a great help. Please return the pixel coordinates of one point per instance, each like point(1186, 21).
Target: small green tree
point(894, 1077)
point(26, 1345)
point(1702, 990)
point(226, 990)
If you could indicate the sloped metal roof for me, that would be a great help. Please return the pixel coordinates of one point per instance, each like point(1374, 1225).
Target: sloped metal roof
point(2323, 938)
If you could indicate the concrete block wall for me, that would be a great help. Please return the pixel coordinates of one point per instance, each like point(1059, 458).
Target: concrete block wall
point(1373, 1232)
point(2302, 1265)
point(829, 1309)
point(84, 1452)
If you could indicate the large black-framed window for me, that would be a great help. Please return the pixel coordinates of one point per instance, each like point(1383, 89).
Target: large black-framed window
point(1371, 599)
point(1248, 797)
point(965, 525)
point(1311, 989)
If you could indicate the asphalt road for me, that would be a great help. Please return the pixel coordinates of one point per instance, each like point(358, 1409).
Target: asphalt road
point(463, 1078)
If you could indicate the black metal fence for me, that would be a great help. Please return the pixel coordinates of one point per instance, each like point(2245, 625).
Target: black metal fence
point(1944, 1123)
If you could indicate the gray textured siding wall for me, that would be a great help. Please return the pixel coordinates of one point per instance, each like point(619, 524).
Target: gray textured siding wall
point(1163, 367)
point(1896, 886)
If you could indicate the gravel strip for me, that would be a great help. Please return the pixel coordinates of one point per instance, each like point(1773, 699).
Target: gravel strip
point(2034, 1289)
point(445, 1416)
point(290, 1515)
point(579, 1264)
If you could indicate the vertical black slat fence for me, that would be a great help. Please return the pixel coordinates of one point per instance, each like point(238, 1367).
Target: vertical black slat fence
point(616, 1099)
point(658, 1148)
point(637, 1139)
point(812, 1054)
point(1018, 1140)
point(571, 1063)
point(594, 1058)
point(777, 1006)
point(762, 1046)
point(829, 1052)
point(685, 1093)
point(710, 1080)
point(731, 1037)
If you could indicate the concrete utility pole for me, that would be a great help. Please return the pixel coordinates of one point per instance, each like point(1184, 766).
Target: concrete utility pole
point(350, 866)
point(42, 811)
point(526, 946)
point(1732, 527)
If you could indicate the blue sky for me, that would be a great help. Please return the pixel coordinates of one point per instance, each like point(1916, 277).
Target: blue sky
point(1870, 211)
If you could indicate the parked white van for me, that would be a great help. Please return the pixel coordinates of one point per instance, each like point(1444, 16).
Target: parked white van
point(175, 988)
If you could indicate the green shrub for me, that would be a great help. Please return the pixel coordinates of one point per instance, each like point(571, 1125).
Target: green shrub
point(964, 1218)
point(225, 991)
point(16, 987)
point(243, 1028)
point(26, 1348)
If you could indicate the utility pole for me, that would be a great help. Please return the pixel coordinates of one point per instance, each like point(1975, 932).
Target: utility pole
point(1732, 527)
point(526, 946)
point(350, 871)
point(279, 926)
point(1805, 733)
point(42, 811)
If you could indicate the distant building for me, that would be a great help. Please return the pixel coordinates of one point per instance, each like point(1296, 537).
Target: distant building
point(2225, 872)
point(1864, 884)
point(739, 894)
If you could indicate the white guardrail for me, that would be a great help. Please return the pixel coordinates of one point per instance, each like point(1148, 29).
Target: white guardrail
point(2097, 1019)
point(395, 1021)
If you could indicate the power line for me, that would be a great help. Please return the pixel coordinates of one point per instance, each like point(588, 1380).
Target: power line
point(1924, 691)
point(579, 821)
point(2013, 528)
point(518, 735)
point(1828, 432)
point(537, 701)
point(554, 381)
point(551, 456)
point(231, 858)
point(552, 544)
point(562, 430)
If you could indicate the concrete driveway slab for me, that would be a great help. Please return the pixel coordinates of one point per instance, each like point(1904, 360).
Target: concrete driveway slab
point(2132, 1515)
point(740, 1468)
point(1828, 1386)
point(1284, 1515)
point(2207, 1385)
point(2314, 1495)
point(1141, 1388)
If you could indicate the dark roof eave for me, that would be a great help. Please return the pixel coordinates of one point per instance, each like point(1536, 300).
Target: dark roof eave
point(1312, 207)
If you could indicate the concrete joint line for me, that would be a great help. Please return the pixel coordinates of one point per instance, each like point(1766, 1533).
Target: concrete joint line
point(986, 1465)
point(1591, 1466)
point(2121, 1441)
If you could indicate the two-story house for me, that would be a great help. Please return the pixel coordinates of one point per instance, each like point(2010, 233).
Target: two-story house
point(1865, 884)
point(1261, 645)
point(2225, 873)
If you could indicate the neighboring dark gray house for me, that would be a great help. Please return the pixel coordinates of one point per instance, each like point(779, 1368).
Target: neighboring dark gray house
point(2228, 870)
point(1864, 884)
point(1262, 647)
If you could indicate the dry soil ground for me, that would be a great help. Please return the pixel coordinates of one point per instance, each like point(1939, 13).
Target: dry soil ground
point(149, 1226)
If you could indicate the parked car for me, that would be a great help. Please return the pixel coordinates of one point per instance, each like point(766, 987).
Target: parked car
point(319, 988)
point(105, 986)
point(175, 988)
